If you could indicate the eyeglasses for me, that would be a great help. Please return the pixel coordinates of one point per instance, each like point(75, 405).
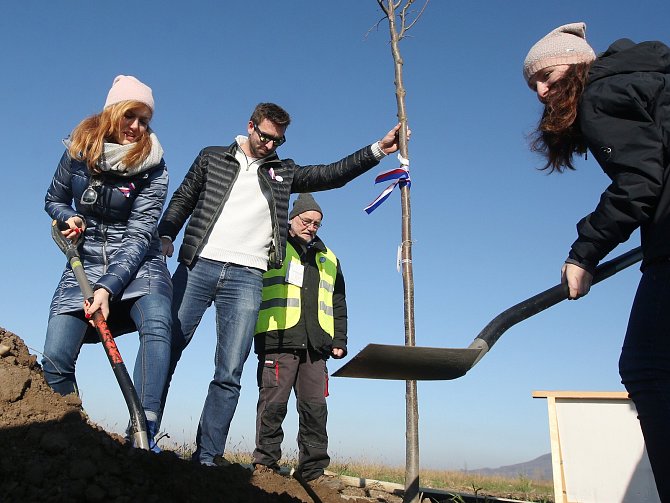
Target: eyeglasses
point(264, 137)
point(312, 223)
point(90, 195)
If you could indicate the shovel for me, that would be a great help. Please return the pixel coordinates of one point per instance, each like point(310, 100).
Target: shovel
point(137, 418)
point(413, 363)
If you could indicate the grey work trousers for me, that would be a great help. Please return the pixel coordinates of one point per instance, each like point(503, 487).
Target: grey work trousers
point(305, 372)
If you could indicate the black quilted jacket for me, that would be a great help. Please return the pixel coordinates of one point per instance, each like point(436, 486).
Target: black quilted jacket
point(204, 191)
point(625, 117)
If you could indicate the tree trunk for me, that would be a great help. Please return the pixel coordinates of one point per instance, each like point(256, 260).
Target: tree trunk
point(411, 398)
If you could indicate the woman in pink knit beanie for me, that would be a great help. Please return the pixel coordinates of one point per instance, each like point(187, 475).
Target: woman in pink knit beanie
point(108, 192)
point(617, 106)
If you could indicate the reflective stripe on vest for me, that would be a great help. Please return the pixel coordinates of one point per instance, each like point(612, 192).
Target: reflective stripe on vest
point(280, 304)
point(327, 264)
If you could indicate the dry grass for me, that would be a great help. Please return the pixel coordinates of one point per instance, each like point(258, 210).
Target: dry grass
point(458, 481)
point(521, 487)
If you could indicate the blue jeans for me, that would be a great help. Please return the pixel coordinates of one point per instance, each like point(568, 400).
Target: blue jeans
point(151, 315)
point(236, 293)
point(644, 367)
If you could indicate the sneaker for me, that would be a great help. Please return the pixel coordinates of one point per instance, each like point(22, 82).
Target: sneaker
point(152, 431)
point(329, 481)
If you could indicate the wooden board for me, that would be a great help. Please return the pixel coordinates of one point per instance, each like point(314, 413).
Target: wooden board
point(597, 448)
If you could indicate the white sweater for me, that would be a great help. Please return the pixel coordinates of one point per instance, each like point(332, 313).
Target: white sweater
point(243, 232)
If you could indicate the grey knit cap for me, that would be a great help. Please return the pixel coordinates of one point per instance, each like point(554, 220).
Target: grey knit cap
point(304, 202)
point(566, 45)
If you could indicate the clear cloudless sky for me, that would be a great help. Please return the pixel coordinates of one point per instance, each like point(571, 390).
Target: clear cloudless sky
point(489, 229)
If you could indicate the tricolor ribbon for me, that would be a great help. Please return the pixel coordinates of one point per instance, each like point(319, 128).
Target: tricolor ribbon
point(398, 175)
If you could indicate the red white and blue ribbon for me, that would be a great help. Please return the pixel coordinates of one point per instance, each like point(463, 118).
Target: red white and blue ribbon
point(398, 175)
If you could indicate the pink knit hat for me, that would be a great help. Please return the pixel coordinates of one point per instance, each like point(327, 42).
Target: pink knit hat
point(566, 45)
point(128, 88)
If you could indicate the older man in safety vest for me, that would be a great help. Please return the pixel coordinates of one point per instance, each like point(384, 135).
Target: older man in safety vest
point(302, 322)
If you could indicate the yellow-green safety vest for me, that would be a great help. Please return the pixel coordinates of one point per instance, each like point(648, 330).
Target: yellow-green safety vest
point(280, 304)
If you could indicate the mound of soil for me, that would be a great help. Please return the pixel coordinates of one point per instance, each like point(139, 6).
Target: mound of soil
point(51, 451)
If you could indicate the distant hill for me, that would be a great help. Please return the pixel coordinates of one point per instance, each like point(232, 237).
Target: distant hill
point(536, 469)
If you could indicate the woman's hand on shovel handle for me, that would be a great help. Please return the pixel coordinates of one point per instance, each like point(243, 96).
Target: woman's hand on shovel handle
point(76, 227)
point(579, 280)
point(100, 301)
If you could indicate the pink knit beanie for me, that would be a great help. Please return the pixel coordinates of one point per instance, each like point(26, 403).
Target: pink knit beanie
point(128, 88)
point(566, 45)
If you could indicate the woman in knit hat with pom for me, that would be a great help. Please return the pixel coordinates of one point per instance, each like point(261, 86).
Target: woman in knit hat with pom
point(109, 188)
point(617, 106)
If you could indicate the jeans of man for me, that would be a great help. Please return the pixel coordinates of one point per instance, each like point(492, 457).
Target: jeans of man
point(278, 373)
point(644, 367)
point(153, 320)
point(236, 293)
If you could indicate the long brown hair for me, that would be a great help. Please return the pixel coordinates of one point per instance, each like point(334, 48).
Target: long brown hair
point(558, 136)
point(89, 137)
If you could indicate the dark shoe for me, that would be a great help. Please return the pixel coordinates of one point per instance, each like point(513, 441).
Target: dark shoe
point(329, 481)
point(219, 460)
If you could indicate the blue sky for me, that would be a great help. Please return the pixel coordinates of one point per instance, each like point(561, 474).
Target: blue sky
point(489, 229)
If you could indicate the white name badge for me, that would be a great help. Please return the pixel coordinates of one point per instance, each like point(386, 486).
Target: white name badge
point(294, 273)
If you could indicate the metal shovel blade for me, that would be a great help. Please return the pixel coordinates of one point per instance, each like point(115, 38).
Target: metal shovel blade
point(409, 363)
point(414, 363)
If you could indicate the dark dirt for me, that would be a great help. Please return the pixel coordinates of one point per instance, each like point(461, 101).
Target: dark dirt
point(51, 452)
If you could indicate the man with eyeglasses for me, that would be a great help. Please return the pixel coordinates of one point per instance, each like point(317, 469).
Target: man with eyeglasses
point(236, 199)
point(302, 322)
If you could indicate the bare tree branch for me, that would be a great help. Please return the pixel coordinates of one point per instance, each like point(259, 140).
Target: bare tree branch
point(417, 16)
point(375, 27)
point(405, 8)
point(403, 15)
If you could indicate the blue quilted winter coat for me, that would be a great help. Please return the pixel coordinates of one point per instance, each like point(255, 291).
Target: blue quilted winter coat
point(120, 248)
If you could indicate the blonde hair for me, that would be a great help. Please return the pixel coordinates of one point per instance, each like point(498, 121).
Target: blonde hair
point(88, 138)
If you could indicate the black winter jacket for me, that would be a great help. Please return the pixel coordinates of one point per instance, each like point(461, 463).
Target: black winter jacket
point(307, 333)
point(624, 115)
point(204, 191)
